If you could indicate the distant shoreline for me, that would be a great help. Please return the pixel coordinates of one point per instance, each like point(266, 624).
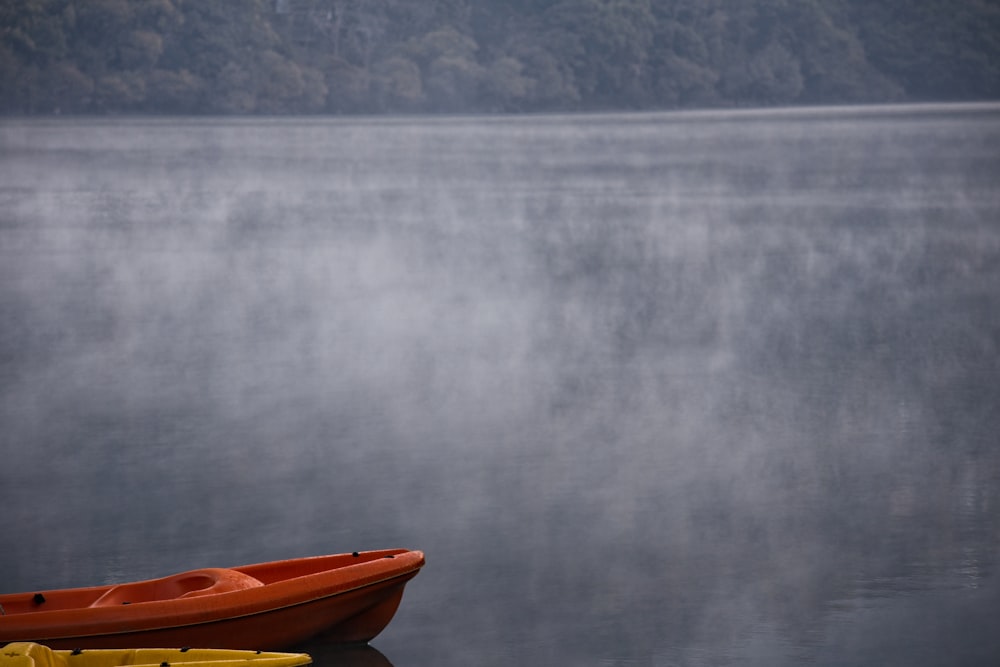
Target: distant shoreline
point(722, 113)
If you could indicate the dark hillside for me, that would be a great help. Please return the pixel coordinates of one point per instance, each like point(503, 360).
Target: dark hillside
point(378, 56)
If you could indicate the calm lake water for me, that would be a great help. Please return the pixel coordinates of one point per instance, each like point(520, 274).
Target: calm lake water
point(668, 389)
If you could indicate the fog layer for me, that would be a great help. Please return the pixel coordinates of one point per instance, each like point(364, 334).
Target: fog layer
point(642, 387)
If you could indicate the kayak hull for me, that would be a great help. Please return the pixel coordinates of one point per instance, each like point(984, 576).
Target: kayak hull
point(344, 598)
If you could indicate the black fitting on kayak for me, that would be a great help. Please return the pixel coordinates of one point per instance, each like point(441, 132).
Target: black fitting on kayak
point(76, 651)
point(390, 556)
point(185, 649)
point(355, 554)
point(38, 599)
point(259, 651)
point(164, 664)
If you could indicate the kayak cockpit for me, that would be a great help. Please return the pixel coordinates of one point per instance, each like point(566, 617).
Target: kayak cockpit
point(196, 583)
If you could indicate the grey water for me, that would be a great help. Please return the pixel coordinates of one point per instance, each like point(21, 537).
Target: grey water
point(647, 389)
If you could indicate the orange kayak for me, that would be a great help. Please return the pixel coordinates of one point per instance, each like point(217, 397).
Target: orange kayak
point(343, 598)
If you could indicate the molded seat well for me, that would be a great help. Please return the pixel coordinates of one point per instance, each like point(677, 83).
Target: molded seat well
point(196, 583)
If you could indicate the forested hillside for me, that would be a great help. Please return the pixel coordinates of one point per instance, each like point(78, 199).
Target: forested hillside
point(378, 56)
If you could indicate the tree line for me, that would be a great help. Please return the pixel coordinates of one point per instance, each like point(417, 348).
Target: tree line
point(420, 56)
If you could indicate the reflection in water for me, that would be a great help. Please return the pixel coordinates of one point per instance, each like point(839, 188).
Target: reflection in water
point(327, 655)
point(682, 389)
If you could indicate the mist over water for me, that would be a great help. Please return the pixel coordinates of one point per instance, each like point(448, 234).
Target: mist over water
point(653, 389)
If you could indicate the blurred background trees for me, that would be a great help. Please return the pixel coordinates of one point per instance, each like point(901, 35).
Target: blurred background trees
point(379, 56)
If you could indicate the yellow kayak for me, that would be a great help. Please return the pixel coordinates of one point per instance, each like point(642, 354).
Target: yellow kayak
point(30, 654)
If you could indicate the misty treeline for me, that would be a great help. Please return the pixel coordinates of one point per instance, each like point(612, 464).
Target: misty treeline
point(377, 56)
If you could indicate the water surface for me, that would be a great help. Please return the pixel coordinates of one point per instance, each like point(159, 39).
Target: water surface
point(658, 389)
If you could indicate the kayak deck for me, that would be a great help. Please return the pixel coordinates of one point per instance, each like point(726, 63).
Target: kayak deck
point(30, 654)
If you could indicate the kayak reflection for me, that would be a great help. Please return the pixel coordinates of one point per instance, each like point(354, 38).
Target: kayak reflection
point(344, 655)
